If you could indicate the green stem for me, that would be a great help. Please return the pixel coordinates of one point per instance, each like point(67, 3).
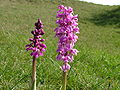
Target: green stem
point(64, 80)
point(33, 74)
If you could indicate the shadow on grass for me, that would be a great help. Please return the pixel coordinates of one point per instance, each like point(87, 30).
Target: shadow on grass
point(118, 32)
point(108, 18)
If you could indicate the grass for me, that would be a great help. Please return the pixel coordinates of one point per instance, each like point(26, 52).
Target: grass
point(96, 67)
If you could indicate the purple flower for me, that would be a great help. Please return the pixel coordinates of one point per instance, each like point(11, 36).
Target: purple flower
point(66, 33)
point(37, 46)
point(65, 67)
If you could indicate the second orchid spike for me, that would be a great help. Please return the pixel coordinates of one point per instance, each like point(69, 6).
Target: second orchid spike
point(36, 44)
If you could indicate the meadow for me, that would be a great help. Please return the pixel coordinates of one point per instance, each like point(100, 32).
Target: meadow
point(97, 65)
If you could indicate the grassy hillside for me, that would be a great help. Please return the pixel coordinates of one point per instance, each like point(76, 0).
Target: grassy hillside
point(96, 67)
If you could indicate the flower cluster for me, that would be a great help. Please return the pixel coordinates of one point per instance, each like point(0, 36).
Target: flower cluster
point(66, 33)
point(36, 44)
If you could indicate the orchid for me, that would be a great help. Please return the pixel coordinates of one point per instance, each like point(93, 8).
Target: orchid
point(66, 33)
point(36, 44)
point(37, 48)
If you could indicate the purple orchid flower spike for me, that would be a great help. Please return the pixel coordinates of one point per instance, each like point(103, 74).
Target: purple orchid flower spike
point(36, 44)
point(37, 48)
point(66, 33)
